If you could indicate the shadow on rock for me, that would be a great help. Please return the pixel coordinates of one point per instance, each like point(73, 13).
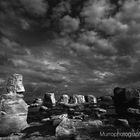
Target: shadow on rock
point(46, 129)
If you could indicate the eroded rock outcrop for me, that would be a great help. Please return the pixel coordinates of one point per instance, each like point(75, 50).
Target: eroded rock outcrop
point(64, 99)
point(75, 127)
point(80, 99)
point(13, 109)
point(73, 100)
point(49, 100)
point(91, 99)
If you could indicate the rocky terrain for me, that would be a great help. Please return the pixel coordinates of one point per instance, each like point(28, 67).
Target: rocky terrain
point(75, 117)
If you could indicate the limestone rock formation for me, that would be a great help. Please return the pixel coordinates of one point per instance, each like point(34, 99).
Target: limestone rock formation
point(58, 118)
point(80, 99)
point(75, 126)
point(49, 100)
point(66, 127)
point(15, 83)
point(91, 99)
point(13, 109)
point(73, 100)
point(64, 99)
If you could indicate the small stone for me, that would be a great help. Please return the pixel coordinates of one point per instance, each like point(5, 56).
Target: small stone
point(45, 120)
point(100, 110)
point(96, 123)
point(121, 123)
point(62, 116)
point(44, 108)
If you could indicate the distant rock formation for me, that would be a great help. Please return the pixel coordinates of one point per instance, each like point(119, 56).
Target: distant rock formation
point(90, 99)
point(49, 100)
point(73, 100)
point(13, 109)
point(80, 99)
point(64, 99)
point(74, 126)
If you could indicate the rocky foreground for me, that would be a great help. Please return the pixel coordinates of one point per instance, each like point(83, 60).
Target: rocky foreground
point(75, 117)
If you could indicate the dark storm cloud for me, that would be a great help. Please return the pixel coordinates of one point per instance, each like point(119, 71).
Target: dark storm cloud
point(35, 7)
point(90, 43)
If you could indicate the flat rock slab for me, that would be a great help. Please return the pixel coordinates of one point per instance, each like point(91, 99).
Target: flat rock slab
point(74, 126)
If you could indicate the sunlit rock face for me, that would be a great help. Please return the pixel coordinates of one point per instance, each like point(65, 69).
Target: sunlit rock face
point(49, 100)
point(13, 109)
point(15, 84)
point(80, 99)
point(73, 127)
point(64, 99)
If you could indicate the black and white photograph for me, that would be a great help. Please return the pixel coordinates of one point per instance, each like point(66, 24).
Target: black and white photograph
point(69, 69)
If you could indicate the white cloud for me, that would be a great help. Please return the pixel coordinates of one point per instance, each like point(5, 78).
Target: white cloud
point(94, 11)
point(69, 24)
point(112, 26)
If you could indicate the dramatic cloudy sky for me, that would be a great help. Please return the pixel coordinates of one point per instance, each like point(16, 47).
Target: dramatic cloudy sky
point(71, 46)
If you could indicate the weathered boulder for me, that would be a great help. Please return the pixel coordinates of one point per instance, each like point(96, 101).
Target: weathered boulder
point(49, 100)
point(66, 127)
point(43, 109)
point(13, 109)
point(15, 83)
point(133, 111)
point(76, 127)
point(91, 99)
point(64, 99)
point(73, 100)
point(58, 118)
point(80, 99)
